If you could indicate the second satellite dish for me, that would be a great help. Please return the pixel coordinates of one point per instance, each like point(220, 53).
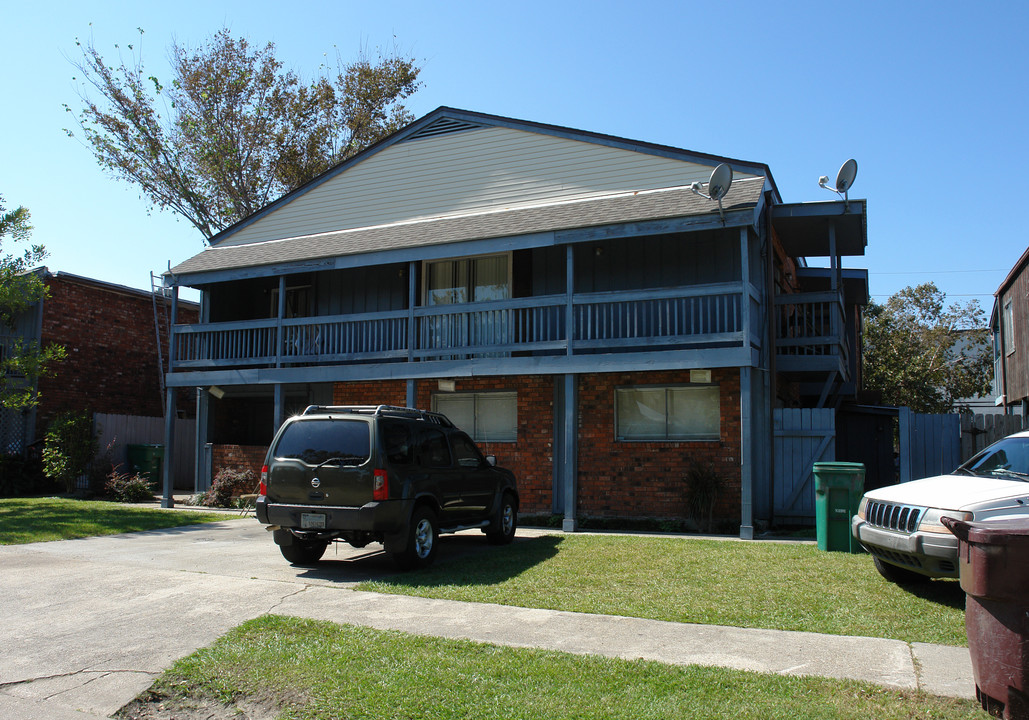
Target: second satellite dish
point(845, 177)
point(721, 180)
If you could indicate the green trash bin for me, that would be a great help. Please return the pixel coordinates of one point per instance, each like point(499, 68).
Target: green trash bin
point(838, 490)
point(148, 460)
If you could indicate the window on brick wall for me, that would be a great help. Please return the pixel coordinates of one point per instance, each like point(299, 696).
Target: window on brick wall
point(667, 412)
point(487, 417)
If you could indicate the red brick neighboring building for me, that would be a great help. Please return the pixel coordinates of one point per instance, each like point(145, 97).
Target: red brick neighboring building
point(108, 333)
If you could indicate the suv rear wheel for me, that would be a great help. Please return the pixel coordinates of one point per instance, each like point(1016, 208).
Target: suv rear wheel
point(304, 552)
point(421, 540)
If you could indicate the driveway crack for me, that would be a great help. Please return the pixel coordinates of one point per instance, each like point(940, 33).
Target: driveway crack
point(287, 596)
point(88, 675)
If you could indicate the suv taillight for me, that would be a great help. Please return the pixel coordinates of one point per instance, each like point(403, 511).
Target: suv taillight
point(263, 487)
point(380, 485)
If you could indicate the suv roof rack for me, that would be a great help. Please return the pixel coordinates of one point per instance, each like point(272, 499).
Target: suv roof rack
point(382, 410)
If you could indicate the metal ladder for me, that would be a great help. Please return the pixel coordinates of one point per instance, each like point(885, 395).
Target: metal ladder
point(157, 286)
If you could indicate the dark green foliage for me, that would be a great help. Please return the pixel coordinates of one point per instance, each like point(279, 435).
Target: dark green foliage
point(22, 475)
point(229, 483)
point(22, 361)
point(924, 355)
point(233, 130)
point(69, 448)
point(703, 487)
point(128, 488)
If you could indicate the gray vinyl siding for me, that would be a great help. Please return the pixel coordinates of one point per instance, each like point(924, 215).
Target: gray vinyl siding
point(471, 171)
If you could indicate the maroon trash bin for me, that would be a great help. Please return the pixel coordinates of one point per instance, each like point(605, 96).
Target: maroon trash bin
point(993, 559)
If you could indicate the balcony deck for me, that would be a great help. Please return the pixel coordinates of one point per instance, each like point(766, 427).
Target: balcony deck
point(711, 317)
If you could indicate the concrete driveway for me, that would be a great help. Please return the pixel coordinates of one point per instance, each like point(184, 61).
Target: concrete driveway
point(88, 624)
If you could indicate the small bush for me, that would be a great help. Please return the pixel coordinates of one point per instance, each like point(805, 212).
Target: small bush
point(230, 483)
point(69, 448)
point(703, 486)
point(128, 488)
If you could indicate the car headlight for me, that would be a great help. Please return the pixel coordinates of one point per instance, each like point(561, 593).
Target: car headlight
point(861, 507)
point(930, 521)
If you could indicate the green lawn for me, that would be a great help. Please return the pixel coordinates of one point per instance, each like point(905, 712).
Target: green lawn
point(27, 520)
point(311, 670)
point(780, 586)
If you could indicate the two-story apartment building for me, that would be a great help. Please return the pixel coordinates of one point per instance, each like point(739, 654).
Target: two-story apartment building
point(563, 296)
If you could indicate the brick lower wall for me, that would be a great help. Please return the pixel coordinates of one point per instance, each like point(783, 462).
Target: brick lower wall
point(237, 456)
point(616, 479)
point(647, 479)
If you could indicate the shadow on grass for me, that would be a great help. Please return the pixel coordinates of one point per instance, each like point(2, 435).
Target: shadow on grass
point(470, 561)
point(942, 592)
point(33, 520)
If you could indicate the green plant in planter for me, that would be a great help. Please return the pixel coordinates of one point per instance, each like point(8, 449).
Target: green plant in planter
point(703, 487)
point(69, 448)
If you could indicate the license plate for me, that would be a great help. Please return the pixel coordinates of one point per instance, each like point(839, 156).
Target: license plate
point(312, 521)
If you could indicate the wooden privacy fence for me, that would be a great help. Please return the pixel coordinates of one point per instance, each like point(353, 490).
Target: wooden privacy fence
point(120, 431)
point(979, 431)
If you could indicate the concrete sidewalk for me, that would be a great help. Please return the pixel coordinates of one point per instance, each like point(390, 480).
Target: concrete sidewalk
point(91, 623)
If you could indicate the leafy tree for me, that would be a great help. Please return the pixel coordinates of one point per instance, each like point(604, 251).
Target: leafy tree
point(233, 130)
point(22, 362)
point(925, 355)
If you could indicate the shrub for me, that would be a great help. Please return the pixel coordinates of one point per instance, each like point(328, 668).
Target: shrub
point(69, 448)
point(125, 487)
point(230, 483)
point(703, 486)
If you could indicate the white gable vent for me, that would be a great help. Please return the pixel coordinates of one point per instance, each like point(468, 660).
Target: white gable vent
point(444, 126)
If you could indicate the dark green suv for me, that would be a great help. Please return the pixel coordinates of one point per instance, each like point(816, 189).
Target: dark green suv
point(397, 476)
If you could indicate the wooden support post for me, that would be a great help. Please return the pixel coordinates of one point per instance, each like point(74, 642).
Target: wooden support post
point(280, 313)
point(569, 292)
point(201, 481)
point(280, 407)
point(170, 412)
point(167, 501)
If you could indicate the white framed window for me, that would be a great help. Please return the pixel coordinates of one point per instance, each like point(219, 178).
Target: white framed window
point(486, 416)
point(668, 412)
point(1008, 328)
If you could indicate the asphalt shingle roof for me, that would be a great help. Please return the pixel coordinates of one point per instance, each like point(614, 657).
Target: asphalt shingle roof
point(592, 212)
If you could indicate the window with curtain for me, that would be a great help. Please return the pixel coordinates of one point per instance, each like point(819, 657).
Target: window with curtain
point(677, 412)
point(479, 279)
point(486, 417)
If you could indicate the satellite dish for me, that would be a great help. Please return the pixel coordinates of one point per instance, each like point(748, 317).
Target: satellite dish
point(844, 180)
point(845, 177)
point(721, 180)
point(717, 186)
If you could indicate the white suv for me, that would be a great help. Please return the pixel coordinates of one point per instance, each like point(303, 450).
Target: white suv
point(900, 524)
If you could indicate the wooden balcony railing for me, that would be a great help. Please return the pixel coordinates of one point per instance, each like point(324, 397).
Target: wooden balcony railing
point(811, 325)
point(614, 321)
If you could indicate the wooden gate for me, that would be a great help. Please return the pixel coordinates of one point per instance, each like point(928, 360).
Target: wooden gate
point(802, 437)
point(929, 444)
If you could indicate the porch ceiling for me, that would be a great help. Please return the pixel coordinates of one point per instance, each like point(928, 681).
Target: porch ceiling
point(803, 228)
point(405, 237)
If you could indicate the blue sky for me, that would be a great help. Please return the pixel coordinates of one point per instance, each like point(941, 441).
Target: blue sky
point(928, 97)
